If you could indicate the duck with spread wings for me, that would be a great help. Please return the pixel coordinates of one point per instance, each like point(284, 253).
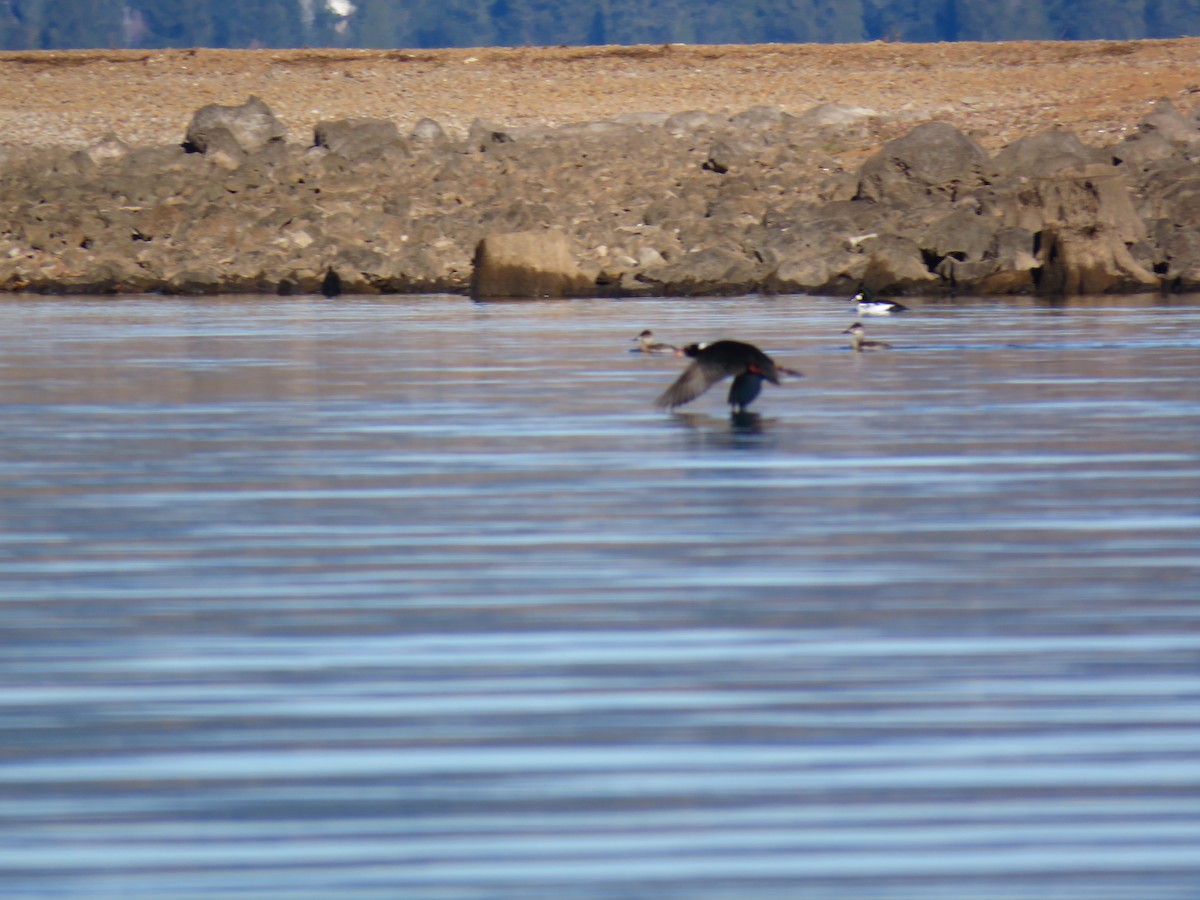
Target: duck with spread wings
point(746, 364)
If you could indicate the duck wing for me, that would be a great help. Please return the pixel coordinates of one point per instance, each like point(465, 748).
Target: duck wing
point(695, 380)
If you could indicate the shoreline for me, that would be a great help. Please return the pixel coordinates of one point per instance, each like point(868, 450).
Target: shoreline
point(994, 92)
point(1032, 167)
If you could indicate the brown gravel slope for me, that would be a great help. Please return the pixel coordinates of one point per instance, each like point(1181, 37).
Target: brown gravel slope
point(995, 91)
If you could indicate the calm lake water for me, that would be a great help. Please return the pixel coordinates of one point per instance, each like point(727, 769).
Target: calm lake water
point(422, 598)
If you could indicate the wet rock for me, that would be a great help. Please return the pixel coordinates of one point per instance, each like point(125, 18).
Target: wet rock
point(528, 264)
point(331, 284)
point(1089, 224)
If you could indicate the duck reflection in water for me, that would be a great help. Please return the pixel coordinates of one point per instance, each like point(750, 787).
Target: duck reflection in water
point(746, 364)
point(741, 431)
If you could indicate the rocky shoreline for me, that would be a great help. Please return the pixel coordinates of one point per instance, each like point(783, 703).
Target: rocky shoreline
point(690, 202)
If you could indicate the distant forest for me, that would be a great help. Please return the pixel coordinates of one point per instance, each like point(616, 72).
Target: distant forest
point(66, 24)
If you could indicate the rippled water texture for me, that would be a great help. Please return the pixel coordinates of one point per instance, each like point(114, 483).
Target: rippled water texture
point(414, 597)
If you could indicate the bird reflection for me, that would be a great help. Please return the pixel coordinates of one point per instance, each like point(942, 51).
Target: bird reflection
point(738, 430)
point(745, 422)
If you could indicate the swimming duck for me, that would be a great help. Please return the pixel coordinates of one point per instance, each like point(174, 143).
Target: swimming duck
point(647, 344)
point(870, 305)
point(748, 365)
point(858, 341)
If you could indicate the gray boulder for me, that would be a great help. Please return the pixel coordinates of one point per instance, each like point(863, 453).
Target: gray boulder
point(429, 133)
point(933, 162)
point(252, 126)
point(760, 118)
point(1044, 154)
point(895, 263)
point(484, 136)
point(356, 138)
point(730, 153)
point(108, 149)
point(1007, 266)
point(1179, 255)
point(835, 115)
point(643, 119)
point(706, 270)
point(1166, 121)
point(692, 120)
point(960, 234)
point(222, 149)
point(671, 209)
point(822, 255)
point(1010, 265)
point(1140, 151)
point(518, 215)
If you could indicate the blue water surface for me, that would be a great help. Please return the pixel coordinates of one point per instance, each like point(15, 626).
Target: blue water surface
point(419, 597)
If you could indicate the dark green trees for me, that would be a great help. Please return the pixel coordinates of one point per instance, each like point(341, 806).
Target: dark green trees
point(61, 24)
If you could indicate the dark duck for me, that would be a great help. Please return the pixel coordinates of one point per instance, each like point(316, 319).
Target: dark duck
point(746, 364)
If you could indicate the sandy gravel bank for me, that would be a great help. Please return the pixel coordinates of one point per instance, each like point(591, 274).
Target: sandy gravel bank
point(995, 92)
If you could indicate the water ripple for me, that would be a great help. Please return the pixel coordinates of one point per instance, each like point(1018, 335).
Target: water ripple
point(422, 598)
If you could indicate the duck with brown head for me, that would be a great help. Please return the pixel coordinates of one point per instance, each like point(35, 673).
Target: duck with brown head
point(859, 342)
point(647, 344)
